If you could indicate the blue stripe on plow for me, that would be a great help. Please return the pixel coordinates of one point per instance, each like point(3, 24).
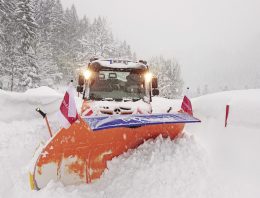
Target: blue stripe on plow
point(136, 120)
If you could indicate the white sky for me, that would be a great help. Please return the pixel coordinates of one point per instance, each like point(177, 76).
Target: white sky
point(216, 42)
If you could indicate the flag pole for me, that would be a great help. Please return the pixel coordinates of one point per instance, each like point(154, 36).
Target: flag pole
point(44, 116)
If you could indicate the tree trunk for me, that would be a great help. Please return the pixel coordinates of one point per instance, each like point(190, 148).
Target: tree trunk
point(12, 79)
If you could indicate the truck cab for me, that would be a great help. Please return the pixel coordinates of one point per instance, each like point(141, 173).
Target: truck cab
point(118, 86)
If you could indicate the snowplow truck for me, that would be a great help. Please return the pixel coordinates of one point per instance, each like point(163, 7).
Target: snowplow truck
point(116, 116)
point(117, 87)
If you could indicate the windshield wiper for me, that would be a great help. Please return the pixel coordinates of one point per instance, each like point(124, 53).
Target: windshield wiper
point(107, 99)
point(131, 99)
point(136, 99)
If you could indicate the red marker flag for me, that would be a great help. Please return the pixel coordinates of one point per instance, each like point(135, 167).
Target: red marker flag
point(86, 109)
point(68, 112)
point(186, 105)
point(227, 112)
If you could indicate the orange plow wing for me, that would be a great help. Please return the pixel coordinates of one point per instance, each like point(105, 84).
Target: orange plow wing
point(79, 154)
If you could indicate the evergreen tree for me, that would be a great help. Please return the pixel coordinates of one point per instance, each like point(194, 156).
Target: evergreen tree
point(84, 55)
point(121, 50)
point(98, 42)
point(124, 51)
point(6, 6)
point(169, 76)
point(48, 68)
point(8, 48)
point(26, 27)
point(198, 92)
point(57, 29)
point(40, 43)
point(257, 80)
point(225, 88)
point(205, 90)
point(49, 17)
point(69, 61)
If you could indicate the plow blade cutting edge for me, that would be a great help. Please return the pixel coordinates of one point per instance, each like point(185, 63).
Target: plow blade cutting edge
point(80, 153)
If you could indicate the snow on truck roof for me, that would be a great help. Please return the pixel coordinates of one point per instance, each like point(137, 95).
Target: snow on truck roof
point(118, 64)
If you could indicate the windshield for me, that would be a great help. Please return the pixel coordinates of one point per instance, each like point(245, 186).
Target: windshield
point(117, 85)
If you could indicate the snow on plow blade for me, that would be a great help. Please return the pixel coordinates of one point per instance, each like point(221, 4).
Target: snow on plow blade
point(80, 153)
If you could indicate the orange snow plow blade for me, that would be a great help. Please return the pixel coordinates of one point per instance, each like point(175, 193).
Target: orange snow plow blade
point(80, 154)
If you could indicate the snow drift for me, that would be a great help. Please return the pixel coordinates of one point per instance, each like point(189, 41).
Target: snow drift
point(21, 106)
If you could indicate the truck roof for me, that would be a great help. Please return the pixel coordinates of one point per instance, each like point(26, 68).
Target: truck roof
point(117, 64)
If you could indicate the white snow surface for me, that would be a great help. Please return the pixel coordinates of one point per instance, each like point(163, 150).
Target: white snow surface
point(209, 160)
point(128, 64)
point(21, 106)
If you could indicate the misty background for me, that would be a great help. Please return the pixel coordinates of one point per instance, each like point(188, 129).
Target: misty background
point(217, 43)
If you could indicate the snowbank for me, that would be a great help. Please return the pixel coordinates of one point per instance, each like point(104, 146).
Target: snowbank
point(21, 106)
point(244, 107)
point(233, 150)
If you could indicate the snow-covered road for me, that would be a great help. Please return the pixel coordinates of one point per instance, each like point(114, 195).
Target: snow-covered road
point(208, 161)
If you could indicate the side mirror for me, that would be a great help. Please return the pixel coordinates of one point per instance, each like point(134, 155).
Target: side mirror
point(79, 89)
point(154, 82)
point(155, 92)
point(81, 80)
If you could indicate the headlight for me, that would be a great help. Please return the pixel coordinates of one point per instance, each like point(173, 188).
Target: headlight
point(87, 74)
point(148, 77)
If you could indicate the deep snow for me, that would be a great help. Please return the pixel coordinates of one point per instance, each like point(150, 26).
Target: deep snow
point(208, 161)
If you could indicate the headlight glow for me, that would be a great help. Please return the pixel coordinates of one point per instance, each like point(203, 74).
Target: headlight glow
point(87, 74)
point(148, 77)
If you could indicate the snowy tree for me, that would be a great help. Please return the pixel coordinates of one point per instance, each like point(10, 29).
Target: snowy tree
point(84, 55)
point(169, 76)
point(198, 91)
point(205, 90)
point(49, 17)
point(71, 45)
point(26, 26)
point(40, 43)
point(48, 68)
point(6, 7)
point(134, 57)
point(8, 48)
point(225, 88)
point(122, 50)
point(257, 80)
point(99, 40)
point(57, 33)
